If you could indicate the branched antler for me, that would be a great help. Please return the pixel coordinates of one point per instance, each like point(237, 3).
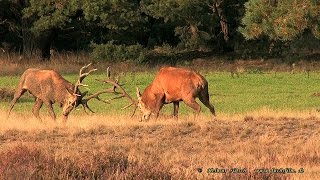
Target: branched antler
point(115, 85)
point(123, 94)
point(96, 95)
point(76, 91)
point(82, 75)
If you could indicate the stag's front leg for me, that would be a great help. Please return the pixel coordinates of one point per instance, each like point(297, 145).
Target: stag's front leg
point(159, 106)
point(36, 107)
point(50, 110)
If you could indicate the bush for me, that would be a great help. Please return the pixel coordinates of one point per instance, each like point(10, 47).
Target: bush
point(6, 94)
point(117, 53)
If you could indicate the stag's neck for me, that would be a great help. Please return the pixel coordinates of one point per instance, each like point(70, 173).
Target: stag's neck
point(62, 96)
point(152, 97)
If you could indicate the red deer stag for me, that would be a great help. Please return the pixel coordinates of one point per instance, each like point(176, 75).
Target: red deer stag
point(172, 85)
point(49, 87)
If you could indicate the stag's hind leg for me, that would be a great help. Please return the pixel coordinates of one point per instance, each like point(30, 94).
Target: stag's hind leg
point(191, 102)
point(36, 107)
point(16, 96)
point(204, 98)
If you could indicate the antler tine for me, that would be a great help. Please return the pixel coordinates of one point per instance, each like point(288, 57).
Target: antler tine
point(123, 92)
point(96, 95)
point(86, 106)
point(84, 102)
point(108, 72)
point(82, 76)
point(83, 68)
point(134, 111)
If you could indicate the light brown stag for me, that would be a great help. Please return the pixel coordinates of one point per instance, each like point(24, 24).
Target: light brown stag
point(172, 85)
point(49, 87)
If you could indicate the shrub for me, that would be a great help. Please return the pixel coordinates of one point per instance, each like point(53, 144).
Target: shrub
point(6, 94)
point(117, 53)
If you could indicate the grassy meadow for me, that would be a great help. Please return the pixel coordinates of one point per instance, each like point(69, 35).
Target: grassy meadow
point(267, 122)
point(230, 95)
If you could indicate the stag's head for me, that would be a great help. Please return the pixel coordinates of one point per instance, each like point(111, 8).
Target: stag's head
point(69, 103)
point(75, 98)
point(143, 107)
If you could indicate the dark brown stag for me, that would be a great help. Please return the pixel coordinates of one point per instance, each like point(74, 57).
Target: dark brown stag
point(171, 85)
point(49, 87)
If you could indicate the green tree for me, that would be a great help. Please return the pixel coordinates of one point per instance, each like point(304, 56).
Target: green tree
point(123, 20)
point(46, 19)
point(10, 24)
point(229, 14)
point(118, 18)
point(192, 18)
point(199, 22)
point(280, 20)
point(41, 24)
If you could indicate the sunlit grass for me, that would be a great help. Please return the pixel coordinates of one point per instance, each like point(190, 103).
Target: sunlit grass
point(249, 92)
point(264, 120)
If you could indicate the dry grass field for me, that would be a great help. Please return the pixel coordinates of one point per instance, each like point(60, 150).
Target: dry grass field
point(264, 143)
point(117, 147)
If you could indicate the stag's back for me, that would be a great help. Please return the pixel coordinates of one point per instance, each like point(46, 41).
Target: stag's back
point(177, 82)
point(45, 84)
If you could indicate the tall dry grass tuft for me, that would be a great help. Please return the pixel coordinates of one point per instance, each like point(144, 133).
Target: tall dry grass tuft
point(70, 62)
point(67, 62)
point(6, 94)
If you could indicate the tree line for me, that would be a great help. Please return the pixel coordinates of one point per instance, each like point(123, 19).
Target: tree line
point(33, 27)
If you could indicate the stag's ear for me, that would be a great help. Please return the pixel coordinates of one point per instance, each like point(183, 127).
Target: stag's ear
point(138, 93)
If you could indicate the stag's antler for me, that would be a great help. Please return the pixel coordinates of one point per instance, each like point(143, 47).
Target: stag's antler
point(82, 75)
point(84, 102)
point(114, 84)
point(123, 94)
